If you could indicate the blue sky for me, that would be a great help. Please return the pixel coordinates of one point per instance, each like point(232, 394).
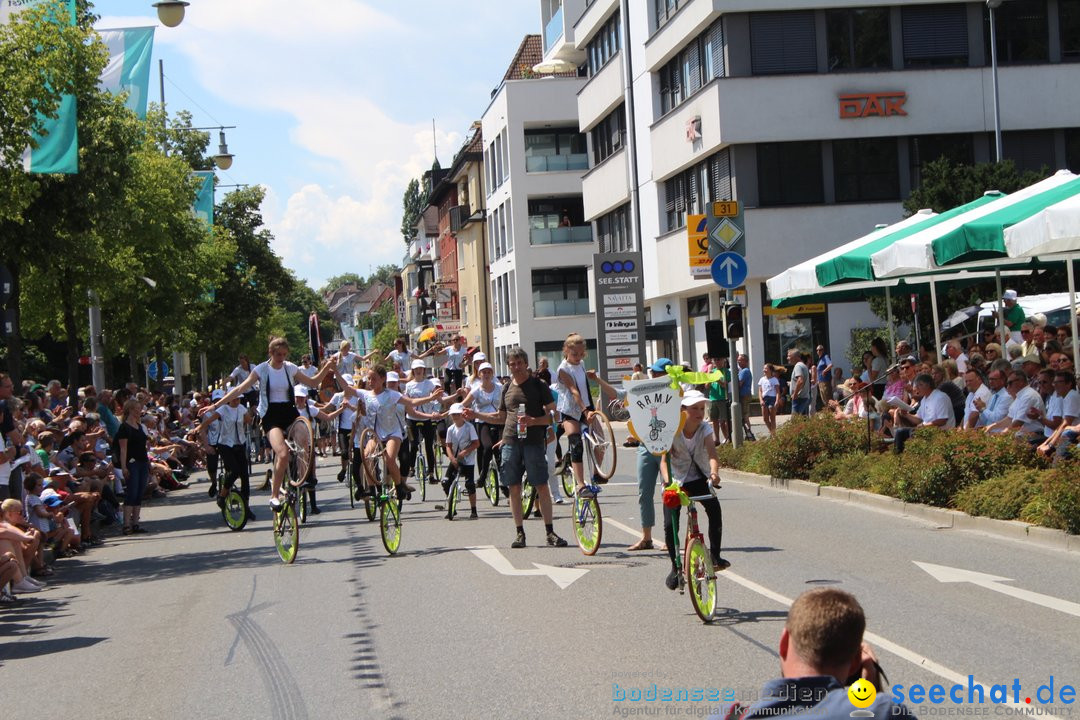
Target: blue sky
point(333, 102)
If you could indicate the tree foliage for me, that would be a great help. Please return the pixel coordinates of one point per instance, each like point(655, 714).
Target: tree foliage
point(413, 204)
point(39, 59)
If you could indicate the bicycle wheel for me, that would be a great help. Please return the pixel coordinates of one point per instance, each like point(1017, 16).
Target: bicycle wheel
point(588, 524)
point(567, 475)
point(287, 533)
point(452, 505)
point(437, 470)
point(602, 446)
point(300, 437)
point(528, 498)
point(702, 579)
point(491, 484)
point(390, 524)
point(302, 503)
point(235, 510)
point(420, 470)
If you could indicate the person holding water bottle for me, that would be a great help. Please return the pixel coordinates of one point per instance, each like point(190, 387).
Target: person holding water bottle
point(524, 411)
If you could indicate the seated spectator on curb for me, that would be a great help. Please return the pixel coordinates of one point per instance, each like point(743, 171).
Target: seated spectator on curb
point(977, 391)
point(945, 385)
point(935, 410)
point(48, 518)
point(997, 405)
point(13, 515)
point(1062, 410)
point(1025, 410)
point(821, 653)
point(20, 545)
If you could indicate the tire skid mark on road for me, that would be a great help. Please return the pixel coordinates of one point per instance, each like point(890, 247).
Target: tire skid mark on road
point(286, 700)
point(365, 667)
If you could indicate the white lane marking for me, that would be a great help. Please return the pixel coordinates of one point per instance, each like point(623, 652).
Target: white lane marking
point(900, 651)
point(946, 574)
point(563, 577)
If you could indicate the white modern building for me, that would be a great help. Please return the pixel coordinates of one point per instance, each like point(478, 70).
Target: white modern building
point(540, 246)
point(816, 117)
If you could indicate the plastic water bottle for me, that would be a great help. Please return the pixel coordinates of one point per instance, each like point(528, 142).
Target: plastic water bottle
point(522, 429)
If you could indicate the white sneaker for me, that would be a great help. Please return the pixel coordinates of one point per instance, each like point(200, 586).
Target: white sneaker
point(559, 500)
point(24, 587)
point(39, 583)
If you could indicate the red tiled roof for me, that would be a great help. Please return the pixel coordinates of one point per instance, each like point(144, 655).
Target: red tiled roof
point(529, 53)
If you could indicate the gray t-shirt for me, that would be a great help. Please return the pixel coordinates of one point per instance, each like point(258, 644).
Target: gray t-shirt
point(800, 369)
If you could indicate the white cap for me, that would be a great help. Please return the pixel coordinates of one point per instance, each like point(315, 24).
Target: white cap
point(691, 397)
point(485, 366)
point(217, 394)
point(1009, 295)
point(418, 363)
point(479, 357)
point(300, 391)
point(392, 376)
point(347, 378)
point(457, 409)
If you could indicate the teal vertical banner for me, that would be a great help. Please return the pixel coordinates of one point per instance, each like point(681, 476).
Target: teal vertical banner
point(204, 200)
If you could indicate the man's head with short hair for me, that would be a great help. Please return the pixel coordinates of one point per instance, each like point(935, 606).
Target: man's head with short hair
point(924, 384)
point(972, 379)
point(823, 635)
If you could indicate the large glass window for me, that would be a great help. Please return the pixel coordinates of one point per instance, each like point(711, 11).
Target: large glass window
point(866, 170)
point(665, 9)
point(613, 231)
point(609, 135)
point(557, 221)
point(790, 173)
point(1069, 20)
point(1072, 149)
point(1029, 149)
point(560, 291)
point(695, 66)
point(604, 46)
point(551, 150)
point(783, 42)
point(691, 190)
point(925, 149)
point(859, 39)
point(935, 35)
point(1023, 33)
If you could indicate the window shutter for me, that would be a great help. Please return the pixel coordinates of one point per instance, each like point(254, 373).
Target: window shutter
point(692, 68)
point(721, 175)
point(935, 33)
point(716, 43)
point(783, 42)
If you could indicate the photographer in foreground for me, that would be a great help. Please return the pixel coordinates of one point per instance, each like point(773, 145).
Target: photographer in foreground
point(821, 653)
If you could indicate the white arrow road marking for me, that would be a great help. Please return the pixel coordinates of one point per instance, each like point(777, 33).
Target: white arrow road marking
point(874, 639)
point(945, 574)
point(563, 577)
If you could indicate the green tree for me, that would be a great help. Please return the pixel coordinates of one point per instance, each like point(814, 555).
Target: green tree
point(384, 274)
point(38, 62)
point(337, 281)
point(413, 205)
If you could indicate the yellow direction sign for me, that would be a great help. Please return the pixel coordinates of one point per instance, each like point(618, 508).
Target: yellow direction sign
point(697, 233)
point(725, 208)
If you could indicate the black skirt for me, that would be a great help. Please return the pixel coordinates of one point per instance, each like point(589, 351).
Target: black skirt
point(279, 415)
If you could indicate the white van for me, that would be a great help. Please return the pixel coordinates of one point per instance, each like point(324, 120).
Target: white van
point(1055, 306)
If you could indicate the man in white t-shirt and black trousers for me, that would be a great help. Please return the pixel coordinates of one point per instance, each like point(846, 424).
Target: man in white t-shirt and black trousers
point(344, 424)
point(935, 410)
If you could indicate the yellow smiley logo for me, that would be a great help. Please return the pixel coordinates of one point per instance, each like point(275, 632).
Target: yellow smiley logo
point(862, 693)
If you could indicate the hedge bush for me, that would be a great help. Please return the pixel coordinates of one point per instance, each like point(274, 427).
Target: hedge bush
point(803, 442)
point(1003, 497)
point(1057, 503)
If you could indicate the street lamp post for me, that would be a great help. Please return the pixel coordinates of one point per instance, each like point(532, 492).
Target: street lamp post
point(993, 5)
point(170, 12)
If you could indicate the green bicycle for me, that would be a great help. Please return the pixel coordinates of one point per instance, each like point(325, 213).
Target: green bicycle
point(298, 438)
point(386, 497)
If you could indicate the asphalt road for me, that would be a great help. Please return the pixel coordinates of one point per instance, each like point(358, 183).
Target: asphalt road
point(196, 621)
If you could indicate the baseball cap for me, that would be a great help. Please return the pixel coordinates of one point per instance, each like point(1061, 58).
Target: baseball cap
point(53, 501)
point(48, 493)
point(217, 394)
point(347, 378)
point(417, 364)
point(485, 366)
point(479, 357)
point(392, 376)
point(691, 397)
point(457, 409)
point(300, 391)
point(1009, 295)
point(1031, 358)
point(660, 364)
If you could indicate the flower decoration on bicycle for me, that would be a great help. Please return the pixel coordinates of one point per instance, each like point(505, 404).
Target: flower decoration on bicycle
point(674, 497)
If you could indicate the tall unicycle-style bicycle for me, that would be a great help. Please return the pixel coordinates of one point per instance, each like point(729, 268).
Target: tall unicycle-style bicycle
point(386, 498)
point(299, 439)
point(695, 568)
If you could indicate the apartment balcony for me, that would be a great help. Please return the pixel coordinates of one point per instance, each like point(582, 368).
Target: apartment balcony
point(606, 186)
point(601, 94)
point(575, 162)
point(592, 19)
point(560, 235)
point(560, 308)
point(559, 31)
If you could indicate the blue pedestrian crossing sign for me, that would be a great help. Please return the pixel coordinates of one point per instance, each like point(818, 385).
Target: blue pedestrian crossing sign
point(729, 270)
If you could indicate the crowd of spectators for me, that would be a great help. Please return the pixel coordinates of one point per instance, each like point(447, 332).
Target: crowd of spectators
point(1026, 387)
point(62, 470)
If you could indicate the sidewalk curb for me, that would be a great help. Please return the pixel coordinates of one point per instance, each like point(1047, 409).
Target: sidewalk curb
point(943, 518)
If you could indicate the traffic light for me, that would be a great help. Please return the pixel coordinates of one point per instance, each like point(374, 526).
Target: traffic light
point(733, 321)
